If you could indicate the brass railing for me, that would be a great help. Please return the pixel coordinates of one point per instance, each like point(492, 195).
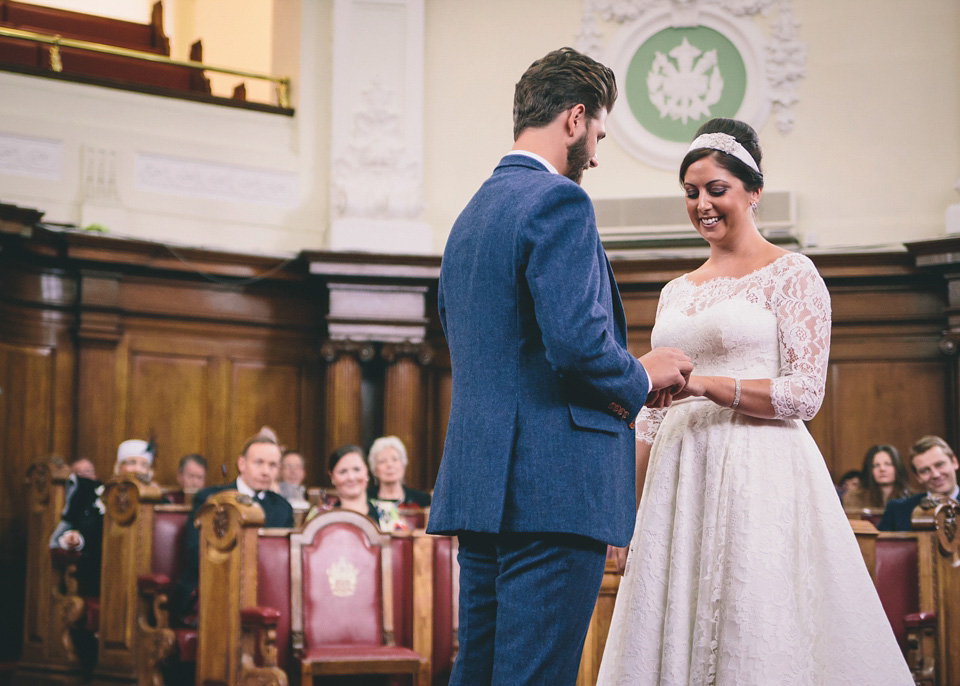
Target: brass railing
point(281, 83)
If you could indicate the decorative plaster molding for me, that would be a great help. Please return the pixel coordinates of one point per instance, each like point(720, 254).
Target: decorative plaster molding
point(40, 158)
point(100, 174)
point(177, 176)
point(377, 178)
point(775, 62)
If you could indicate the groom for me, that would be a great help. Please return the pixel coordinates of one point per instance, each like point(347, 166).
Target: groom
point(538, 467)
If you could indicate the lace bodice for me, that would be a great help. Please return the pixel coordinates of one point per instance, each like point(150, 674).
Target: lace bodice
point(773, 323)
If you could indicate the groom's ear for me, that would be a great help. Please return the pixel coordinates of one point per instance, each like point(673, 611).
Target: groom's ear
point(573, 119)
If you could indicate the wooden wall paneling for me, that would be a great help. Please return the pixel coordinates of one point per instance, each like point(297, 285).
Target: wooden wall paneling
point(264, 393)
point(169, 398)
point(37, 383)
point(404, 404)
point(26, 425)
point(100, 370)
point(892, 402)
point(27, 381)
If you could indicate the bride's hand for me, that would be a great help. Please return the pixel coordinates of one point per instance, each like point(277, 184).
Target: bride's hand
point(696, 387)
point(620, 555)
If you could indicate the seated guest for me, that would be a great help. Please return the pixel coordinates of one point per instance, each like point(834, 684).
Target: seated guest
point(883, 478)
point(258, 464)
point(388, 463)
point(81, 524)
point(191, 477)
point(349, 476)
point(84, 468)
point(849, 482)
point(935, 465)
point(292, 473)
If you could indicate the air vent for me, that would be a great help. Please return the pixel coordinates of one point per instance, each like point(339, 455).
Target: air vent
point(662, 221)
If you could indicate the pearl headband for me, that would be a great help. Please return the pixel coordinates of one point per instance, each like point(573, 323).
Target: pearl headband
point(724, 143)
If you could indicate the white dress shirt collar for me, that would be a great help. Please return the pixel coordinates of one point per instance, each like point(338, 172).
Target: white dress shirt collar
point(242, 487)
point(550, 167)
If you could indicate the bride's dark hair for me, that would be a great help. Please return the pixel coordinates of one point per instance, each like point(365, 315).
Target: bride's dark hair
point(745, 136)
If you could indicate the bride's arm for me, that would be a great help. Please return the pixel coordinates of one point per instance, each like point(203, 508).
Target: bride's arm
point(803, 328)
point(645, 431)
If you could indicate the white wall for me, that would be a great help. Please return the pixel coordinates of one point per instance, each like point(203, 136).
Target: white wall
point(873, 156)
point(875, 150)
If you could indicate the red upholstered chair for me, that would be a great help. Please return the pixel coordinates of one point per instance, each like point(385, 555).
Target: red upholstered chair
point(897, 579)
point(446, 606)
point(342, 605)
point(159, 642)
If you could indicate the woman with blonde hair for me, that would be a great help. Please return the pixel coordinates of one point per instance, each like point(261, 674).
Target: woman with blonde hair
point(388, 464)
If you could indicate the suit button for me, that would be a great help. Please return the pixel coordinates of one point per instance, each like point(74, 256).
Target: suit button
point(612, 406)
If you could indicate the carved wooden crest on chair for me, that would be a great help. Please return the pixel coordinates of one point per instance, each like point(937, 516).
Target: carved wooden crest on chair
point(341, 586)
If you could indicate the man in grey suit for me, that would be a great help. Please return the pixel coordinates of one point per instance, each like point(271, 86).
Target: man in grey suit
point(538, 471)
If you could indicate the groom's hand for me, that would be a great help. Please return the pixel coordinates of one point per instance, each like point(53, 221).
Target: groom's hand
point(667, 368)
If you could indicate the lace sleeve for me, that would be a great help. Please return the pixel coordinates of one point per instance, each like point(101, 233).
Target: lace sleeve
point(803, 323)
point(648, 420)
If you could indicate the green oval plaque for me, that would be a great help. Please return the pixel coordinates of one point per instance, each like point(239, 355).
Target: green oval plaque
point(681, 77)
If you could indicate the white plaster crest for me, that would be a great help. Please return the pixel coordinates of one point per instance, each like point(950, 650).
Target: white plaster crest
point(198, 178)
point(28, 156)
point(377, 177)
point(779, 56)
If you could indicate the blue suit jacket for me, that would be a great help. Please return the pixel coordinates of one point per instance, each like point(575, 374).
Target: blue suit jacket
point(896, 516)
point(540, 432)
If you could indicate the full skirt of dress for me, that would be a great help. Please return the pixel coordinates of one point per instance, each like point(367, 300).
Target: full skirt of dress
point(743, 569)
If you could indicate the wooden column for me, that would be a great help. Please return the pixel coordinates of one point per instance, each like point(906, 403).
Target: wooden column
point(342, 401)
point(102, 369)
point(404, 403)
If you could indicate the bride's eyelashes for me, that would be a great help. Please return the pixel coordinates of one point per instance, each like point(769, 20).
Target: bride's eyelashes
point(693, 193)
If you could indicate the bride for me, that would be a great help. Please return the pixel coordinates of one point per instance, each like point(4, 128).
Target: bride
point(743, 568)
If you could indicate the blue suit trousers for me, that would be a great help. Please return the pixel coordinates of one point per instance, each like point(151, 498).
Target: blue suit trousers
point(525, 604)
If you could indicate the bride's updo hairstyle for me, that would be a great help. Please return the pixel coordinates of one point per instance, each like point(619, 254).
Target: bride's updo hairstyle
point(744, 134)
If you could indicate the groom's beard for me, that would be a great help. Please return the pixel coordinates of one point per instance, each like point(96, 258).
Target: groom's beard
point(577, 159)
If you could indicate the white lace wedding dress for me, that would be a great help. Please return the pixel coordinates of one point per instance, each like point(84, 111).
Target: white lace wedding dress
point(743, 569)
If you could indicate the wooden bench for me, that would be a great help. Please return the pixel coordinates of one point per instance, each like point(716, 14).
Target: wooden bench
point(917, 574)
point(52, 605)
point(256, 623)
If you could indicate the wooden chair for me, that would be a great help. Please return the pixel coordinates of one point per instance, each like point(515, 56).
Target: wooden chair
point(933, 640)
point(236, 643)
point(128, 528)
point(446, 607)
point(52, 606)
point(342, 603)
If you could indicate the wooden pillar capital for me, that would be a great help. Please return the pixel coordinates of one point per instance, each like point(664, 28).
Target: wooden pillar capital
point(333, 349)
point(421, 352)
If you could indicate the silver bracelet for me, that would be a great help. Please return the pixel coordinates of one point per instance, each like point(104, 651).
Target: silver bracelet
point(736, 394)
